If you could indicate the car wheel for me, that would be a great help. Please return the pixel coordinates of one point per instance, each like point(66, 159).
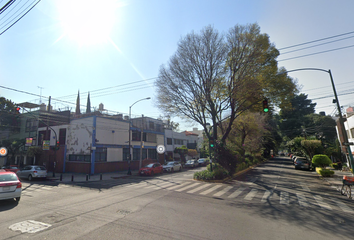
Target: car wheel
point(18, 199)
point(30, 178)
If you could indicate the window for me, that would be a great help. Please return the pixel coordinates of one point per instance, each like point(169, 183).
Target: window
point(136, 135)
point(101, 154)
point(178, 141)
point(352, 132)
point(125, 154)
point(169, 141)
point(151, 137)
point(151, 125)
point(31, 125)
point(62, 136)
point(152, 153)
point(136, 153)
point(144, 153)
point(80, 158)
point(159, 128)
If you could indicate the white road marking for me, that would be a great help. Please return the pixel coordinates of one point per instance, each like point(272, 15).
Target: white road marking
point(302, 199)
point(199, 188)
point(210, 190)
point(284, 198)
point(237, 192)
point(164, 185)
point(187, 187)
point(321, 203)
point(222, 192)
point(177, 186)
point(251, 194)
point(343, 206)
point(267, 195)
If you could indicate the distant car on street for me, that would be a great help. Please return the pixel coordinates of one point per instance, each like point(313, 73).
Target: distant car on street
point(151, 169)
point(10, 186)
point(191, 163)
point(302, 163)
point(172, 166)
point(32, 171)
point(202, 161)
point(11, 168)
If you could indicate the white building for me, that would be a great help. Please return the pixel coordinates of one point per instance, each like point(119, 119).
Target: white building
point(175, 139)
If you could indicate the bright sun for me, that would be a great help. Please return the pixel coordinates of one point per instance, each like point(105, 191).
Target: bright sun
point(87, 21)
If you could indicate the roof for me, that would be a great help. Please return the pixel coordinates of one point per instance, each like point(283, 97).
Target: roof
point(190, 133)
point(28, 105)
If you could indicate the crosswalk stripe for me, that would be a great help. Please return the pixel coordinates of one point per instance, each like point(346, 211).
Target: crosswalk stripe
point(267, 195)
point(222, 192)
point(343, 206)
point(164, 185)
point(284, 198)
point(187, 187)
point(210, 190)
point(251, 194)
point(302, 199)
point(177, 186)
point(321, 203)
point(199, 188)
point(237, 192)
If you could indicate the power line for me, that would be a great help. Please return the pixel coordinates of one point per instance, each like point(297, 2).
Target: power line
point(311, 54)
point(318, 40)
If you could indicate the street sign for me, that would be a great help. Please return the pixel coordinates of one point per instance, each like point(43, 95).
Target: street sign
point(46, 144)
point(29, 142)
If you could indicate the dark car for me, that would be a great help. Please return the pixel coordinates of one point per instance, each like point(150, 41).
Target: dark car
point(302, 163)
point(191, 163)
point(11, 168)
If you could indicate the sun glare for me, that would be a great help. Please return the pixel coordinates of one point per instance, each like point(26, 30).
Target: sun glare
point(87, 21)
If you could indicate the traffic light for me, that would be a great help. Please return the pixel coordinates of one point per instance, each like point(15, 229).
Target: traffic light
point(211, 143)
point(18, 110)
point(57, 146)
point(265, 105)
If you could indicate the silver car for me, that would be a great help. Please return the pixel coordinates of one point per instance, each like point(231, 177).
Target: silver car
point(172, 166)
point(32, 171)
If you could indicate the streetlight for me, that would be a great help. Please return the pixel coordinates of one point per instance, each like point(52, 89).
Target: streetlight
point(341, 121)
point(130, 125)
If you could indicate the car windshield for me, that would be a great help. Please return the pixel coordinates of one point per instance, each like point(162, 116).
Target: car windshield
point(8, 177)
point(170, 163)
point(149, 165)
point(189, 161)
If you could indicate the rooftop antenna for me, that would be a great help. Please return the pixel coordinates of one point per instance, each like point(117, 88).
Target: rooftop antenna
point(40, 98)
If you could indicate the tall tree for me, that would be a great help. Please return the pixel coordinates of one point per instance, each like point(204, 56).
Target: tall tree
point(213, 76)
point(88, 105)
point(9, 117)
point(77, 111)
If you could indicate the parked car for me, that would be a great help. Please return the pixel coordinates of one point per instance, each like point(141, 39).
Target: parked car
point(302, 163)
point(151, 169)
point(172, 166)
point(10, 186)
point(32, 171)
point(11, 168)
point(202, 162)
point(192, 163)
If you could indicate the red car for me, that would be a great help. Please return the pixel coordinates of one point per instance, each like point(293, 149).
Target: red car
point(11, 168)
point(151, 169)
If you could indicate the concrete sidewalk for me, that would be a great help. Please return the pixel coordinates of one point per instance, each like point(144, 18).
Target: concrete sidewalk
point(337, 180)
point(81, 177)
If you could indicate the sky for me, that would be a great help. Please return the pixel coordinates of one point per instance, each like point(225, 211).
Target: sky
point(114, 48)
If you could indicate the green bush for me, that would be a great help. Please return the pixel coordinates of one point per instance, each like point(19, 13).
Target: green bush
point(326, 172)
point(241, 167)
point(204, 175)
point(321, 160)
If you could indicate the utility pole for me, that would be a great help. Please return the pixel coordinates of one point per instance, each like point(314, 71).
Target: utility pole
point(141, 141)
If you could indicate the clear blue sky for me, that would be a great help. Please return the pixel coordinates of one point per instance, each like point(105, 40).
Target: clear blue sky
point(133, 38)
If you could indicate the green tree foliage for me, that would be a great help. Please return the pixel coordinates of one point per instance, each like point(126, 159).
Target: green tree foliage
point(192, 153)
point(213, 75)
point(321, 160)
point(311, 147)
point(293, 118)
point(13, 147)
point(182, 151)
point(9, 118)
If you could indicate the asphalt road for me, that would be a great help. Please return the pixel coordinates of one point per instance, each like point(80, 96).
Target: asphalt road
point(272, 201)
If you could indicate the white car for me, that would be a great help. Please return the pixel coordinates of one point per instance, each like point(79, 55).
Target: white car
point(172, 166)
point(10, 186)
